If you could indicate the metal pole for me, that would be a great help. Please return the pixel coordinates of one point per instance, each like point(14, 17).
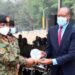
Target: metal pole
point(46, 23)
point(43, 18)
point(59, 4)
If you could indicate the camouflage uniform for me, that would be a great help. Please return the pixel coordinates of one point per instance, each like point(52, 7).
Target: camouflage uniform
point(9, 55)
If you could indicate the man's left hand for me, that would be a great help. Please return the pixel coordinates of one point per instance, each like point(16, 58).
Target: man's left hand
point(45, 61)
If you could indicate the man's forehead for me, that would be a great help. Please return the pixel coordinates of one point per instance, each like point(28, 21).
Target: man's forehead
point(63, 11)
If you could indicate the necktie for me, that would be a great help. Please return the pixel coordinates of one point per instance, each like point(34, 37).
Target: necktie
point(59, 34)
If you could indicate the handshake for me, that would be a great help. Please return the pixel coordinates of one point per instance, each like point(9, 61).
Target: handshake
point(37, 57)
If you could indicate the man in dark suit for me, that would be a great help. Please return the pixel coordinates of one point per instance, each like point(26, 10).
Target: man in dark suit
point(61, 45)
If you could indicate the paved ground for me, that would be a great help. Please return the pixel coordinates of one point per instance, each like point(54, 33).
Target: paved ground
point(30, 35)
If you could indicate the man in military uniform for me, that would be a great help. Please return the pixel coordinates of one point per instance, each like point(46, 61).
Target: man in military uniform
point(9, 51)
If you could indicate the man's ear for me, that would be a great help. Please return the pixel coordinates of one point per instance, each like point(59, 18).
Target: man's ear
point(69, 17)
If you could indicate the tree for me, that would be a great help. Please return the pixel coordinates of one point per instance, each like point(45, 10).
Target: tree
point(28, 13)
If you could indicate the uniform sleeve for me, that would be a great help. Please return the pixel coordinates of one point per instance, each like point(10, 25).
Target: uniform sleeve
point(10, 54)
point(18, 58)
point(22, 60)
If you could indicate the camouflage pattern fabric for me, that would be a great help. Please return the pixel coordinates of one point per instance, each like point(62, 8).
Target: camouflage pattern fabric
point(9, 55)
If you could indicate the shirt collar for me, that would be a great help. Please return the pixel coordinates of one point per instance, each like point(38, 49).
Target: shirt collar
point(65, 26)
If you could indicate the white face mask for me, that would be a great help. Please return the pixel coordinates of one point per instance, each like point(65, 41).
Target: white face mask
point(61, 21)
point(12, 30)
point(4, 30)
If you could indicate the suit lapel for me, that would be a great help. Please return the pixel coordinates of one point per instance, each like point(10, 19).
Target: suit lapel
point(65, 35)
point(55, 34)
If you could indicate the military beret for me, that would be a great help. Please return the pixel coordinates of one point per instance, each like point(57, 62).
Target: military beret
point(4, 19)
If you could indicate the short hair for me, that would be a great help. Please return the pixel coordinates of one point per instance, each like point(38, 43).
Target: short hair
point(67, 9)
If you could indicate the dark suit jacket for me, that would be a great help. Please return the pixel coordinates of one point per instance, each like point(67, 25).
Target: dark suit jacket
point(65, 53)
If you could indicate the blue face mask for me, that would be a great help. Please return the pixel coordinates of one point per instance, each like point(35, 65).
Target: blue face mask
point(12, 30)
point(61, 21)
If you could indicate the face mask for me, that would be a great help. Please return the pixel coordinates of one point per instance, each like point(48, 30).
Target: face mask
point(4, 30)
point(12, 30)
point(61, 21)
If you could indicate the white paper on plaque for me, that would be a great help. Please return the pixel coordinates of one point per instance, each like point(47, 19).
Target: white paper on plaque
point(35, 54)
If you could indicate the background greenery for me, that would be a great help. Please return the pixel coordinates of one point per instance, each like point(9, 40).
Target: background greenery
point(28, 13)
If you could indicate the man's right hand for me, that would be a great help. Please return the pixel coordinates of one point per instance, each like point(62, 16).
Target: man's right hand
point(30, 62)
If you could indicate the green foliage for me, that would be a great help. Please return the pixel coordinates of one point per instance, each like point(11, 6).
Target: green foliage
point(28, 13)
